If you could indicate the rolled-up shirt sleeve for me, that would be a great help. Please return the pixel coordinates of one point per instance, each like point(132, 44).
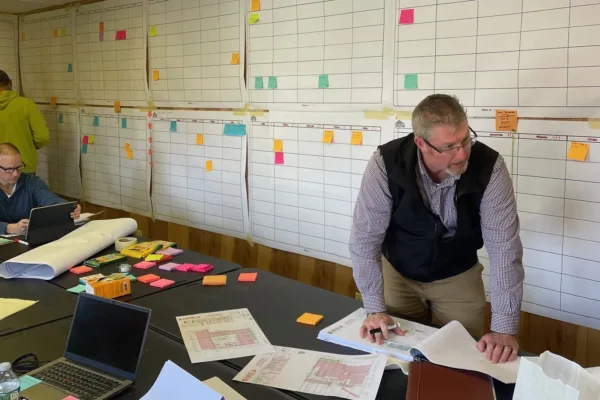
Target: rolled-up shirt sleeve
point(371, 219)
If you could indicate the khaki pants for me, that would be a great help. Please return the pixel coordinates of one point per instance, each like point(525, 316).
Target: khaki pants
point(461, 298)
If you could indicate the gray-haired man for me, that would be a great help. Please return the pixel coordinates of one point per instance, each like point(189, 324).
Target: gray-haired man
point(427, 203)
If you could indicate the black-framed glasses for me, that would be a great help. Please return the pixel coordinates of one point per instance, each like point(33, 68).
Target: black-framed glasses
point(467, 143)
point(11, 170)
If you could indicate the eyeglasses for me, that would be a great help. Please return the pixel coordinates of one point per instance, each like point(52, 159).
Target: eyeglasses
point(11, 170)
point(466, 144)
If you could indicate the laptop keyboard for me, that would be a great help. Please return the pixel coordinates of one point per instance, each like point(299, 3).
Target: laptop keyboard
point(85, 383)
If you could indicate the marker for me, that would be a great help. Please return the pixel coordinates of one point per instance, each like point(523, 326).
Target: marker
point(378, 330)
point(23, 242)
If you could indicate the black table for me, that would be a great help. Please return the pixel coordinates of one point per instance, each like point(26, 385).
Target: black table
point(53, 303)
point(11, 250)
point(47, 342)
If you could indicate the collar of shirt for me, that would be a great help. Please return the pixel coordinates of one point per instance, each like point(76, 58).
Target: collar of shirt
point(424, 175)
point(9, 195)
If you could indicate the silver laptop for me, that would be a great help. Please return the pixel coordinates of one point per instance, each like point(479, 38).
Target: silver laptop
point(103, 352)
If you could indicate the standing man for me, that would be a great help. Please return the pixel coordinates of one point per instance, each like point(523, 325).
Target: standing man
point(427, 203)
point(21, 124)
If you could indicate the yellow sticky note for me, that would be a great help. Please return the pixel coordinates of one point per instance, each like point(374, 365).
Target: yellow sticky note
point(594, 123)
point(375, 115)
point(356, 138)
point(154, 257)
point(277, 145)
point(117, 106)
point(127, 146)
point(578, 151)
point(63, 32)
point(155, 75)
point(254, 18)
point(208, 165)
point(309, 319)
point(214, 280)
point(235, 58)
point(91, 139)
point(403, 114)
point(328, 137)
point(257, 113)
point(239, 111)
point(255, 5)
point(199, 138)
point(153, 31)
point(506, 120)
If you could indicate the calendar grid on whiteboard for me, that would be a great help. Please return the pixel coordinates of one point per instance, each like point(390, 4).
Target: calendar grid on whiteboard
point(9, 62)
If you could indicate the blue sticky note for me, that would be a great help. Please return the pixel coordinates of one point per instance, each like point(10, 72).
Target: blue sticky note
point(411, 81)
point(123, 123)
point(96, 121)
point(28, 381)
point(70, 68)
point(258, 82)
point(60, 118)
point(234, 130)
point(272, 82)
point(84, 148)
point(323, 81)
point(78, 288)
point(173, 127)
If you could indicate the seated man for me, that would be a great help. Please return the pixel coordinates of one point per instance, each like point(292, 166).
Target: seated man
point(21, 192)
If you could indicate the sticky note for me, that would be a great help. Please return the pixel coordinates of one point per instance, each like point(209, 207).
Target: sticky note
point(101, 36)
point(185, 267)
point(149, 278)
point(28, 381)
point(101, 26)
point(152, 31)
point(411, 81)
point(255, 5)
point(124, 123)
point(199, 138)
point(234, 130)
point(70, 68)
point(63, 32)
point(214, 280)
point(253, 18)
point(173, 126)
point(132, 278)
point(127, 146)
point(323, 81)
point(279, 158)
point(155, 75)
point(507, 120)
point(375, 115)
point(80, 270)
point(208, 165)
point(258, 82)
point(169, 266)
point(272, 82)
point(70, 398)
point(154, 257)
point(117, 106)
point(328, 137)
point(55, 33)
point(96, 121)
point(77, 289)
point(60, 118)
point(202, 268)
point(162, 283)
point(91, 139)
point(278, 145)
point(121, 35)
point(84, 148)
point(407, 16)
point(170, 251)
point(130, 155)
point(594, 123)
point(235, 58)
point(85, 140)
point(144, 265)
point(247, 277)
point(53, 101)
point(356, 138)
point(22, 36)
point(309, 319)
point(578, 151)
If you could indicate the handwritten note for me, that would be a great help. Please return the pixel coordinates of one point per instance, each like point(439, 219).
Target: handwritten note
point(255, 5)
point(208, 165)
point(96, 121)
point(173, 126)
point(69, 67)
point(199, 138)
point(411, 81)
point(578, 151)
point(506, 120)
point(234, 130)
point(60, 118)
point(279, 158)
point(258, 82)
point(278, 145)
point(152, 31)
point(155, 75)
point(121, 35)
point(254, 18)
point(323, 81)
point(235, 58)
point(272, 82)
point(407, 16)
point(124, 123)
point(328, 137)
point(356, 138)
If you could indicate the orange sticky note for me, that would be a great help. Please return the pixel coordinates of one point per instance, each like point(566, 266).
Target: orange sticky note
point(155, 75)
point(127, 146)
point(80, 270)
point(578, 151)
point(117, 106)
point(199, 138)
point(22, 36)
point(328, 137)
point(148, 278)
point(53, 101)
point(101, 27)
point(506, 120)
point(130, 154)
point(255, 5)
point(356, 138)
point(309, 319)
point(277, 145)
point(235, 58)
point(208, 165)
point(214, 280)
point(55, 33)
point(247, 277)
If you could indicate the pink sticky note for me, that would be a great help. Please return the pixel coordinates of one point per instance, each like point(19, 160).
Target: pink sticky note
point(278, 157)
point(185, 267)
point(407, 16)
point(247, 277)
point(85, 140)
point(162, 283)
point(170, 251)
point(121, 35)
point(144, 265)
point(70, 398)
point(169, 266)
point(202, 268)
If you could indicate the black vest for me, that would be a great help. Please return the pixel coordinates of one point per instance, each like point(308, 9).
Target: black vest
point(414, 242)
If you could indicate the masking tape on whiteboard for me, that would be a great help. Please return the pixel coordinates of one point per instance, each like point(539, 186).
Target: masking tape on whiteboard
point(123, 243)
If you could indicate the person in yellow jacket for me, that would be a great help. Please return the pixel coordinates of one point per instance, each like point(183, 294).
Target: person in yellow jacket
point(21, 124)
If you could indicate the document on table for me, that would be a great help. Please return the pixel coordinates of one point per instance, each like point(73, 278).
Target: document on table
point(12, 306)
point(224, 389)
point(222, 335)
point(173, 382)
point(325, 374)
point(346, 332)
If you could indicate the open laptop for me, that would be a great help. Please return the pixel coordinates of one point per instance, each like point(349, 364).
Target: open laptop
point(102, 355)
point(47, 224)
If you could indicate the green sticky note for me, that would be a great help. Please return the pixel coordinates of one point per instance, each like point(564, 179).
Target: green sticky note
point(124, 123)
point(323, 81)
point(70, 68)
point(28, 381)
point(96, 121)
point(272, 82)
point(60, 118)
point(132, 278)
point(84, 148)
point(254, 18)
point(77, 289)
point(411, 81)
point(258, 82)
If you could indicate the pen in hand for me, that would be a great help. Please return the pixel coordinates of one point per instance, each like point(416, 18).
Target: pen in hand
point(378, 330)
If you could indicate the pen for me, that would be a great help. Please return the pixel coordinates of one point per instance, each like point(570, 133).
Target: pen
point(378, 330)
point(22, 242)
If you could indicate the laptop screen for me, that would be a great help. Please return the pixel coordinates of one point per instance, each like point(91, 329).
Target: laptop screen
point(108, 335)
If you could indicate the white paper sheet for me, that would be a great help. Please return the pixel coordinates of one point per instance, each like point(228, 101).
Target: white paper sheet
point(173, 382)
point(325, 374)
point(346, 332)
point(222, 335)
point(224, 389)
point(52, 259)
point(452, 346)
point(12, 306)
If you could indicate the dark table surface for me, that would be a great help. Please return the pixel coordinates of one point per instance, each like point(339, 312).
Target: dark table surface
point(53, 303)
point(11, 250)
point(47, 342)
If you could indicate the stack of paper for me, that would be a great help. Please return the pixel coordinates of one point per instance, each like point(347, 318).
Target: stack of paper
point(13, 306)
point(174, 382)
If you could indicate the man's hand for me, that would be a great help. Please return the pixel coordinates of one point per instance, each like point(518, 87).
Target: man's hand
point(381, 321)
point(18, 228)
point(77, 212)
point(499, 347)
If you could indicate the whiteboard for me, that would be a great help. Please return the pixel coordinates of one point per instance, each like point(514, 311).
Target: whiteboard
point(9, 61)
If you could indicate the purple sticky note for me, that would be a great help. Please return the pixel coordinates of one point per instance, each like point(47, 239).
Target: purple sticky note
point(86, 140)
point(407, 16)
point(278, 157)
point(169, 266)
point(169, 251)
point(121, 35)
point(101, 36)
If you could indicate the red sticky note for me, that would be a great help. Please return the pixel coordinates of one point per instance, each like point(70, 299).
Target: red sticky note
point(121, 35)
point(202, 268)
point(80, 270)
point(144, 265)
point(162, 283)
point(278, 158)
point(85, 140)
point(149, 278)
point(185, 267)
point(247, 277)
point(407, 16)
